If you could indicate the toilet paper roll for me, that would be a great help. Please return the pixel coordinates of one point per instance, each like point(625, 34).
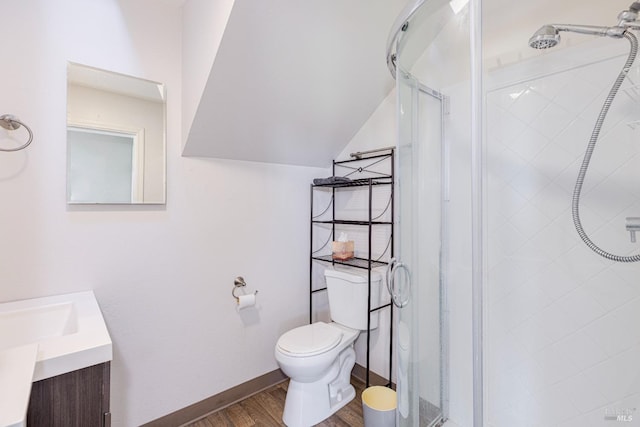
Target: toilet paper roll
point(245, 301)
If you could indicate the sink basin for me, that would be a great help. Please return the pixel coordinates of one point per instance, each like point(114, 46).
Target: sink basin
point(45, 337)
point(69, 330)
point(34, 325)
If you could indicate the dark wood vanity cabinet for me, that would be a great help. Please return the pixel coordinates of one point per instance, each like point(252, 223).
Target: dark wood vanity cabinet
point(75, 399)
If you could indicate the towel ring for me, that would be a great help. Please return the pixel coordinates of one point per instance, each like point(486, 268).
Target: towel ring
point(10, 122)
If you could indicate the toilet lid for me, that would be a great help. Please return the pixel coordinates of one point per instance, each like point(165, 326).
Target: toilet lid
point(310, 340)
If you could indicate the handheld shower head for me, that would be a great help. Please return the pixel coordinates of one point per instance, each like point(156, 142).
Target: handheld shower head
point(549, 35)
point(546, 37)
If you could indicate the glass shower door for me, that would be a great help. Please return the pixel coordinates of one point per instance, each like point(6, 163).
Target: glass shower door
point(417, 276)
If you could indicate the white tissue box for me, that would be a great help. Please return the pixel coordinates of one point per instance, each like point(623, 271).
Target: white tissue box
point(342, 250)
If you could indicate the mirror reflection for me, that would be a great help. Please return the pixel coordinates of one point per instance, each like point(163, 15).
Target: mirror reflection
point(115, 138)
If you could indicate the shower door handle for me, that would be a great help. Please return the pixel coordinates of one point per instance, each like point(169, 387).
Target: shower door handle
point(392, 263)
point(397, 297)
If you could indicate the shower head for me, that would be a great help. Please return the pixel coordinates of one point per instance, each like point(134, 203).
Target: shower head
point(546, 37)
point(549, 35)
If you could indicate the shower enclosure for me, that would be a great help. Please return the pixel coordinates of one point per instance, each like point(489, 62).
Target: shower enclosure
point(518, 174)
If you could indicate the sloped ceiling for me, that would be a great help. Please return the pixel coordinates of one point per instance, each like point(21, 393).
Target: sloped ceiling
point(293, 81)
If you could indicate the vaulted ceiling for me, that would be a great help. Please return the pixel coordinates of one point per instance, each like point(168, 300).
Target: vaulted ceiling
point(291, 81)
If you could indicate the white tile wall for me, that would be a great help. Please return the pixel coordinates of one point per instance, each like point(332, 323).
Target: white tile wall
point(563, 324)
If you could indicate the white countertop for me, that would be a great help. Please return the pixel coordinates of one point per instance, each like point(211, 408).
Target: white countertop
point(16, 375)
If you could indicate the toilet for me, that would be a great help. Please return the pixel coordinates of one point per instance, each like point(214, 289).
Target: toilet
point(318, 358)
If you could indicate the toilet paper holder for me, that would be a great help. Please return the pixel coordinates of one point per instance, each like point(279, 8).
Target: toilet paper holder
point(239, 282)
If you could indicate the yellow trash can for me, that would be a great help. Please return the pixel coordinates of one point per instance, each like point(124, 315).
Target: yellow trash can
point(379, 407)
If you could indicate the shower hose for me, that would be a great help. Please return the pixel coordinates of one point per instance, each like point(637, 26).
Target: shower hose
point(575, 203)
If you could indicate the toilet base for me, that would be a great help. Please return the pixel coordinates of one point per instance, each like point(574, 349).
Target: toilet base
point(310, 403)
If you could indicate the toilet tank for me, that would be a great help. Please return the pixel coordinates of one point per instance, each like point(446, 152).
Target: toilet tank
point(347, 291)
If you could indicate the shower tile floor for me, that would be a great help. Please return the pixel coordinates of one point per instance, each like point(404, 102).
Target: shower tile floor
point(265, 409)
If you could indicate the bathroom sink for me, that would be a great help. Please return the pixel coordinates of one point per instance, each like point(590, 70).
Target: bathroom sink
point(44, 337)
point(69, 330)
point(33, 325)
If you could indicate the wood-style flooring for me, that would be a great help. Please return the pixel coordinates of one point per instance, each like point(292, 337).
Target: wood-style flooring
point(265, 410)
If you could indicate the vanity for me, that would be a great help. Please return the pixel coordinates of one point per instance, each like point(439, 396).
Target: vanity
point(55, 355)
point(78, 398)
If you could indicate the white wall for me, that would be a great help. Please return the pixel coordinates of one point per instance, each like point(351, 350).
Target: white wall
point(379, 131)
point(204, 22)
point(162, 275)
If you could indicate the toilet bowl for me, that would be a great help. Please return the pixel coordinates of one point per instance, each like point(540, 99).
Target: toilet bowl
point(318, 358)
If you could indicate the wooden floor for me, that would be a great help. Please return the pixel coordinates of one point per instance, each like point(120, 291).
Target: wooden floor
point(265, 410)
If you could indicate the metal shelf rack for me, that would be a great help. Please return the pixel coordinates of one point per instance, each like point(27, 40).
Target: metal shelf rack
point(363, 166)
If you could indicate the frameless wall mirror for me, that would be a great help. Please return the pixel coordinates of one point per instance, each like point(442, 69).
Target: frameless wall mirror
point(116, 150)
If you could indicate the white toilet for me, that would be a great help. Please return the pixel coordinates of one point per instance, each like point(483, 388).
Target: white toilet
point(318, 358)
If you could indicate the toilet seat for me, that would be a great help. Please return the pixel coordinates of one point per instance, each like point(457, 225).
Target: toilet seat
point(309, 340)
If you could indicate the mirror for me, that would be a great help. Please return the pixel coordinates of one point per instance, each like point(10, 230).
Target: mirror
point(116, 150)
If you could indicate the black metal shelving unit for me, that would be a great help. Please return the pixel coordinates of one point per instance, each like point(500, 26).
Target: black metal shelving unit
point(362, 165)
